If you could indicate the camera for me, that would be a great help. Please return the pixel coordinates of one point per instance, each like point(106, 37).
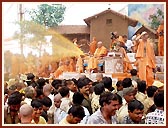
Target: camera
point(113, 36)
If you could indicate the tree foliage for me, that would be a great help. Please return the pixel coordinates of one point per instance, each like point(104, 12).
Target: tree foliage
point(31, 34)
point(156, 18)
point(48, 15)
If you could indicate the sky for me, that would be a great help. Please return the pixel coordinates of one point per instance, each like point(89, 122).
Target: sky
point(76, 12)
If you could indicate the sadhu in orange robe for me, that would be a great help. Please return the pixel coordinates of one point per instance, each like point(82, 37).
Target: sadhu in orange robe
point(146, 61)
point(59, 70)
point(100, 52)
point(93, 46)
point(72, 64)
point(160, 32)
point(93, 61)
point(63, 67)
point(79, 65)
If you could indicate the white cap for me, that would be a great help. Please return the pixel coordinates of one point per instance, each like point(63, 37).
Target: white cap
point(143, 33)
point(138, 37)
point(134, 37)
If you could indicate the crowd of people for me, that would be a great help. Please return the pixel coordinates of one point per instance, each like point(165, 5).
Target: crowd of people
point(83, 101)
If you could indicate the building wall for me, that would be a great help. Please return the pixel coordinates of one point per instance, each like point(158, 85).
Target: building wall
point(101, 30)
point(78, 36)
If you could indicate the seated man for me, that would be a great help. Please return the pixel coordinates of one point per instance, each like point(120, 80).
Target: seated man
point(100, 52)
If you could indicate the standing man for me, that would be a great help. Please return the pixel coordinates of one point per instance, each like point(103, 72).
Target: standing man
point(160, 32)
point(75, 41)
point(128, 96)
point(145, 59)
point(105, 115)
point(92, 46)
point(135, 113)
point(157, 117)
point(75, 115)
point(84, 87)
point(11, 111)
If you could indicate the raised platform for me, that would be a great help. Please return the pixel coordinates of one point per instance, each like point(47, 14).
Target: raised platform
point(121, 76)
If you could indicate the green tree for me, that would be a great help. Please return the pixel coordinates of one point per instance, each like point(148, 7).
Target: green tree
point(48, 15)
point(156, 18)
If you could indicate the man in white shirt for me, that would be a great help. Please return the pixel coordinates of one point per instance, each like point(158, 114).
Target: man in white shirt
point(59, 114)
point(129, 45)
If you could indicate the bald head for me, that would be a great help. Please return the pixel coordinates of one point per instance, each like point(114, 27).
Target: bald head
point(47, 89)
point(57, 97)
point(26, 110)
point(57, 100)
point(99, 77)
point(26, 114)
point(99, 44)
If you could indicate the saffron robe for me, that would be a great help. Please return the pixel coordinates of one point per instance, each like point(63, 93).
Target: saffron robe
point(146, 61)
point(160, 40)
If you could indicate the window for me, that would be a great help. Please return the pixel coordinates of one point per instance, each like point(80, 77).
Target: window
point(108, 21)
